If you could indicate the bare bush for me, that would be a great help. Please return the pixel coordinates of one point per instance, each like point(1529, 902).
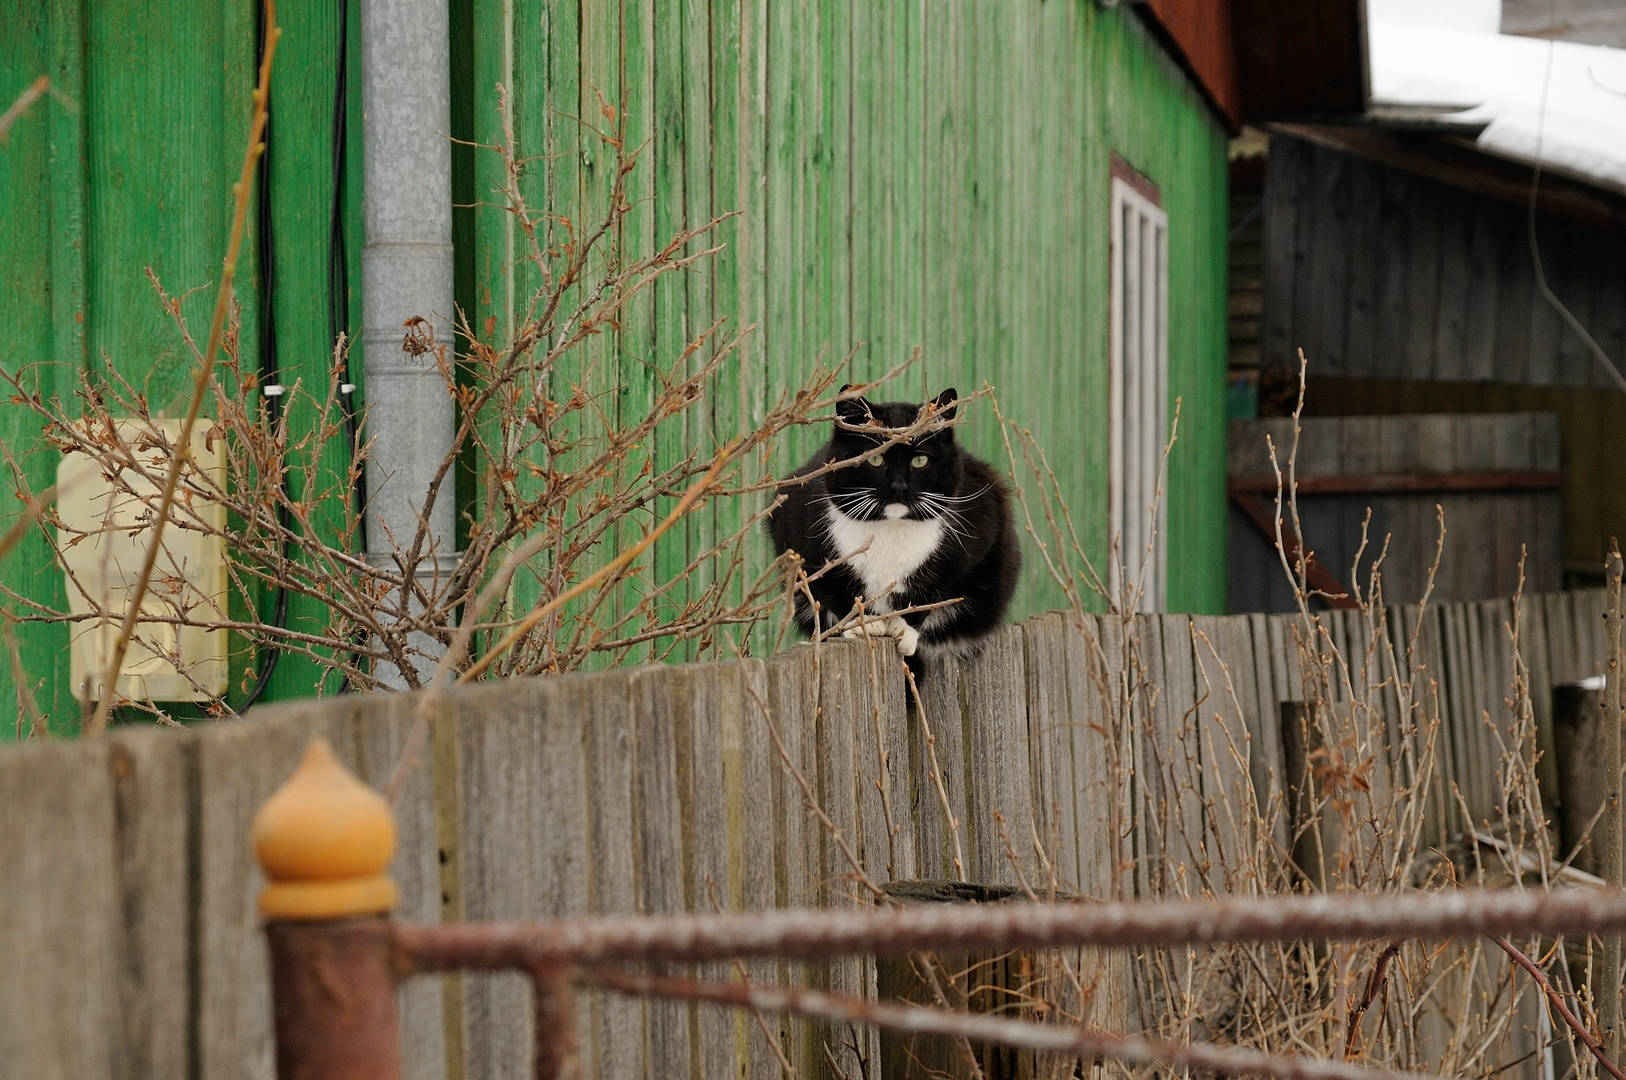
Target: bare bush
point(566, 481)
point(1369, 811)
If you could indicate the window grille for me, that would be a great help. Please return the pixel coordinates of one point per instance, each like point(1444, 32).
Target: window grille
point(1139, 388)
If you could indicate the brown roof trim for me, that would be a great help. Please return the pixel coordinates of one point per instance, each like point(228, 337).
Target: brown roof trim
point(1122, 170)
point(1200, 34)
point(1449, 162)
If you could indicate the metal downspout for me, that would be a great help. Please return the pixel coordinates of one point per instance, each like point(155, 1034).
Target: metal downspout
point(406, 271)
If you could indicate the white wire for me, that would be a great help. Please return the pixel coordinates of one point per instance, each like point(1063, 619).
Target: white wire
point(1535, 246)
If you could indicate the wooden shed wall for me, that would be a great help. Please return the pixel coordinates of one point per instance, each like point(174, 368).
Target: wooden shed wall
point(1378, 274)
point(1486, 532)
point(933, 176)
point(1591, 440)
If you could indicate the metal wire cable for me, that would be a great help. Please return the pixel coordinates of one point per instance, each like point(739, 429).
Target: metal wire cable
point(270, 369)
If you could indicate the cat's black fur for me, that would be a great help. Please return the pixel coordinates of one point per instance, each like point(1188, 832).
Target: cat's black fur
point(976, 559)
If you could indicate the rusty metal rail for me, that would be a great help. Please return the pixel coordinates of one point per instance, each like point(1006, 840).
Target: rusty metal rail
point(815, 934)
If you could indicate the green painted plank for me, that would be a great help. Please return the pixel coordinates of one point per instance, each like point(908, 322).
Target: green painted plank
point(301, 193)
point(41, 230)
point(669, 330)
point(697, 148)
point(160, 164)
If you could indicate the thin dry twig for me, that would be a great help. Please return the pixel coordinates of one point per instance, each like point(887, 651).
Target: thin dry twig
point(1587, 1038)
point(1025, 1034)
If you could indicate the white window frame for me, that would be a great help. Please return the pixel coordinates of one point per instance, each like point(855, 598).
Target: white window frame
point(1138, 359)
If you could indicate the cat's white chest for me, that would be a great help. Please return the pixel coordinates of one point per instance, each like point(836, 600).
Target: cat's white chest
point(883, 553)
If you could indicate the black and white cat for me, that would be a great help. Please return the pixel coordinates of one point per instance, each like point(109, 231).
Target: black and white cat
point(919, 523)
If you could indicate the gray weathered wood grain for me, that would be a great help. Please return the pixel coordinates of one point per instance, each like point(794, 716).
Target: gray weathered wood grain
point(153, 775)
point(239, 766)
point(60, 932)
point(1223, 654)
point(1180, 755)
point(1051, 733)
point(525, 845)
point(620, 1024)
point(998, 744)
point(658, 818)
point(381, 725)
point(940, 712)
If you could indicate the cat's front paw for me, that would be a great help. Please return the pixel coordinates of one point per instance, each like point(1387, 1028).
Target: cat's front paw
point(874, 626)
point(908, 640)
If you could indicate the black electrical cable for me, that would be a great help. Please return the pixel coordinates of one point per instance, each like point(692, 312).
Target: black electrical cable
point(338, 287)
point(338, 264)
point(270, 370)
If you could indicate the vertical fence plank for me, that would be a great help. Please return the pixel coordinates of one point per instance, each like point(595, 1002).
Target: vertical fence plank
point(1144, 661)
point(1539, 679)
point(1465, 690)
point(1586, 616)
point(997, 743)
point(757, 834)
point(659, 695)
point(1496, 668)
point(1223, 652)
point(1563, 649)
point(620, 1024)
point(1052, 732)
point(1434, 723)
point(239, 766)
point(1094, 653)
point(707, 756)
point(799, 851)
point(525, 846)
point(940, 710)
point(838, 677)
point(864, 665)
point(153, 777)
point(1178, 746)
point(59, 915)
point(1264, 728)
point(382, 723)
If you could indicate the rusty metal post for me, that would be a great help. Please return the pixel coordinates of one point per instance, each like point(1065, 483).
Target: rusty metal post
point(553, 1009)
point(333, 995)
point(324, 840)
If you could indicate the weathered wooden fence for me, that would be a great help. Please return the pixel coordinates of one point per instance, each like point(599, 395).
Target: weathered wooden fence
point(130, 944)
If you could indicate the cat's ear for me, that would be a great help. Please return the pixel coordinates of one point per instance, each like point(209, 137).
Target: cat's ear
point(945, 404)
point(852, 410)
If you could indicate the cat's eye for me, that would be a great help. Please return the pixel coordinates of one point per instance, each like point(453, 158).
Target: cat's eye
point(919, 461)
point(877, 460)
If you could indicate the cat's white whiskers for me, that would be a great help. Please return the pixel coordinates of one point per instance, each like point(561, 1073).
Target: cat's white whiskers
point(972, 497)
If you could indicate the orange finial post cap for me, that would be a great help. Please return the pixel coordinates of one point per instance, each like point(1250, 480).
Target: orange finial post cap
point(324, 840)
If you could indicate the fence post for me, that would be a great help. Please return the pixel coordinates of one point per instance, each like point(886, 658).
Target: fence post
point(1301, 741)
point(1578, 743)
point(324, 840)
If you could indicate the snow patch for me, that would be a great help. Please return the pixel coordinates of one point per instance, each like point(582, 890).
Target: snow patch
point(1500, 80)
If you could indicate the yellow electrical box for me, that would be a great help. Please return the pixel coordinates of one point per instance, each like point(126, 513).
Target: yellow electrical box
point(106, 525)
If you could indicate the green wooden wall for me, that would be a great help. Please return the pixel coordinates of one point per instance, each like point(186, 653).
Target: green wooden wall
point(932, 175)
